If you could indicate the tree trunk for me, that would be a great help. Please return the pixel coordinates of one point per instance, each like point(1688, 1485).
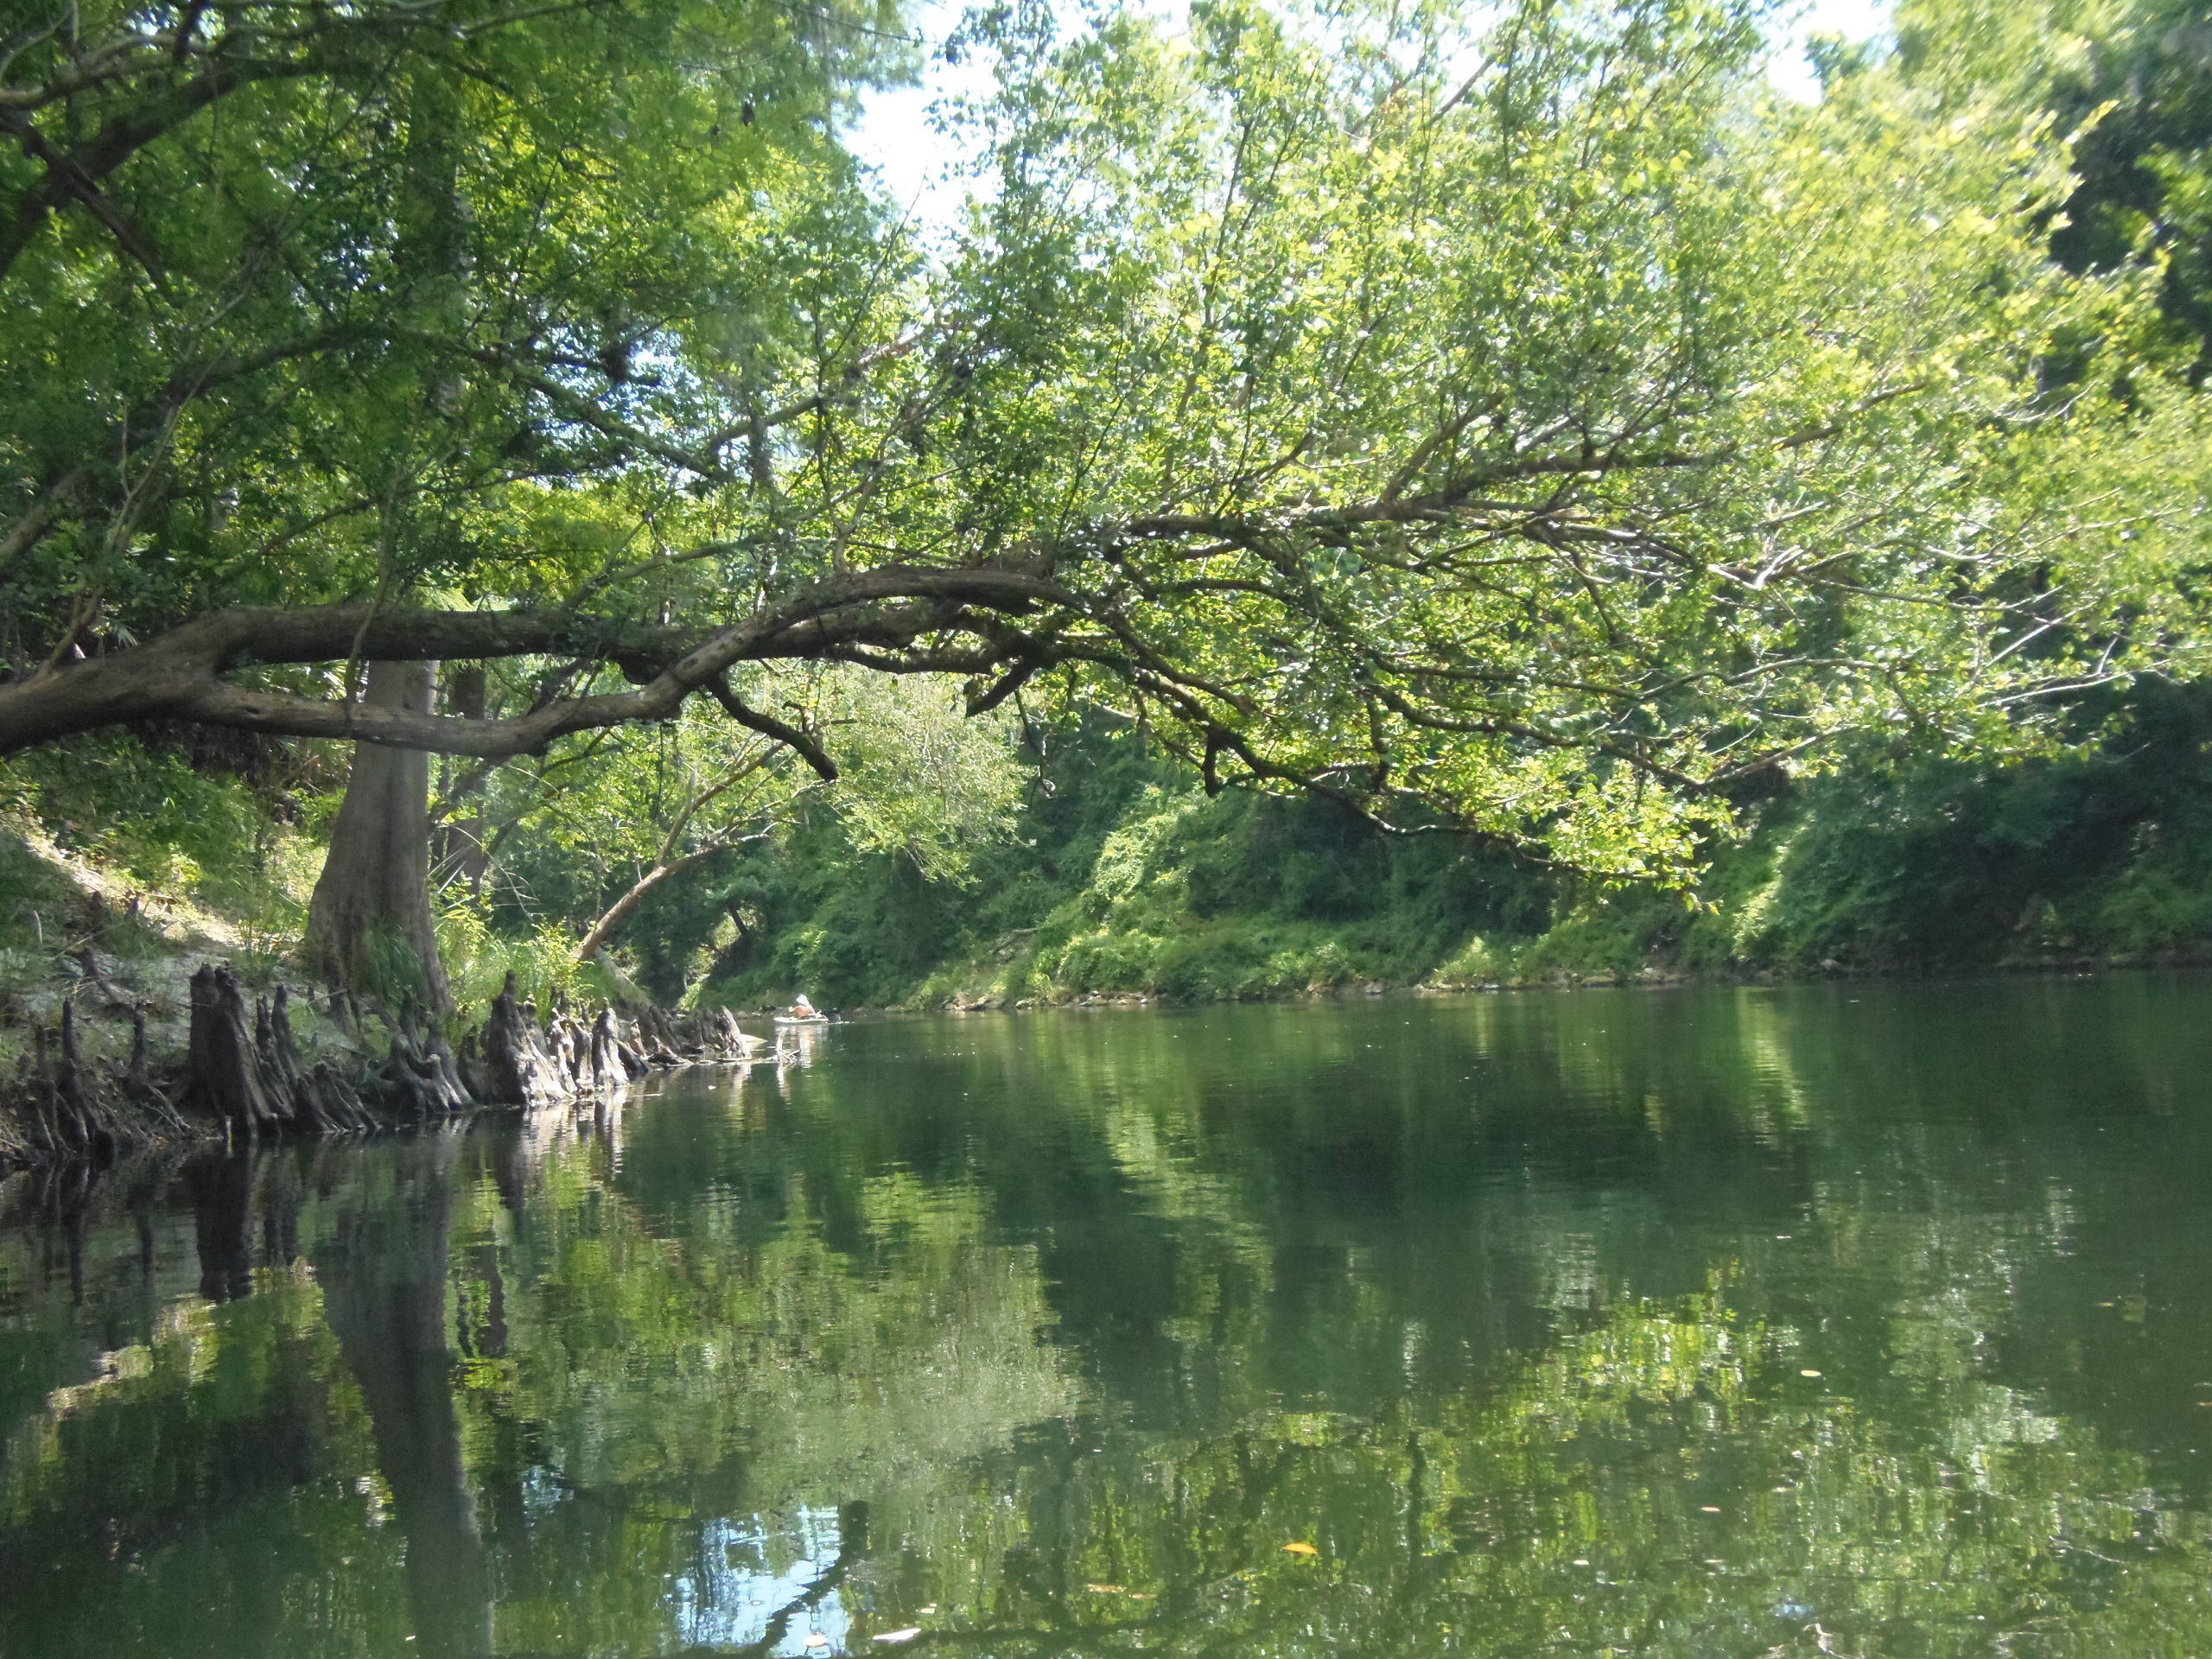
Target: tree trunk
point(370, 924)
point(620, 910)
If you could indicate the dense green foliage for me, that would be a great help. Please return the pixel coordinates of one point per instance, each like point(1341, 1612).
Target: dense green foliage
point(372, 258)
point(2137, 80)
point(1521, 429)
point(1127, 880)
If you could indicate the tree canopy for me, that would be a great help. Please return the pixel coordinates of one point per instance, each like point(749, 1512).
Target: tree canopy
point(1517, 421)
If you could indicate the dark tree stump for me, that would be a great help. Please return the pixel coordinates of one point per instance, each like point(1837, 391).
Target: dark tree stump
point(417, 1079)
point(657, 1036)
point(737, 1045)
point(571, 1047)
point(610, 1072)
point(323, 1101)
point(225, 1076)
point(518, 1067)
point(139, 1079)
point(330, 1104)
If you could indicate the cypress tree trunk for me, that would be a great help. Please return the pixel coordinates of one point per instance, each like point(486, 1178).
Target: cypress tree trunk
point(370, 924)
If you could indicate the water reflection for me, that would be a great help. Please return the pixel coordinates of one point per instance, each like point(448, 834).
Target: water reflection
point(383, 1269)
point(1855, 1320)
point(773, 1591)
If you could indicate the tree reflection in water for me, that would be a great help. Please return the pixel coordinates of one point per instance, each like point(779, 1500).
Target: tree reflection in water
point(383, 1272)
point(1719, 1325)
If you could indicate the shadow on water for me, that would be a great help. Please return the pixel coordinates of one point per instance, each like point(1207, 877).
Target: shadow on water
point(1865, 1320)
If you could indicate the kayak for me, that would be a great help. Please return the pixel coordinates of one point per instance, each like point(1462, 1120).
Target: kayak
point(801, 1019)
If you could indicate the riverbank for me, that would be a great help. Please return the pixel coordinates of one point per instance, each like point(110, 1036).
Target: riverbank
point(1123, 878)
point(1121, 882)
point(136, 1015)
point(131, 1022)
point(112, 1053)
point(256, 1063)
point(1562, 979)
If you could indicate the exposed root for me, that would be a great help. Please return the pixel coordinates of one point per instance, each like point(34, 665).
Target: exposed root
point(60, 1105)
point(243, 1076)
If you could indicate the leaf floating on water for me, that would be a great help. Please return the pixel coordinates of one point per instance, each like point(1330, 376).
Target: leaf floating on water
point(1299, 1549)
point(898, 1636)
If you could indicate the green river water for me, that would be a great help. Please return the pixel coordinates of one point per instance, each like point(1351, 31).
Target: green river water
point(1845, 1319)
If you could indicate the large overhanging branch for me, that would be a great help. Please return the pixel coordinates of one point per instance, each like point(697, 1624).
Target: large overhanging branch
point(180, 676)
point(999, 625)
point(796, 739)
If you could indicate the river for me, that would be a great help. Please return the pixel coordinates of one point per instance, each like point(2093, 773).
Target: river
point(1864, 1319)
